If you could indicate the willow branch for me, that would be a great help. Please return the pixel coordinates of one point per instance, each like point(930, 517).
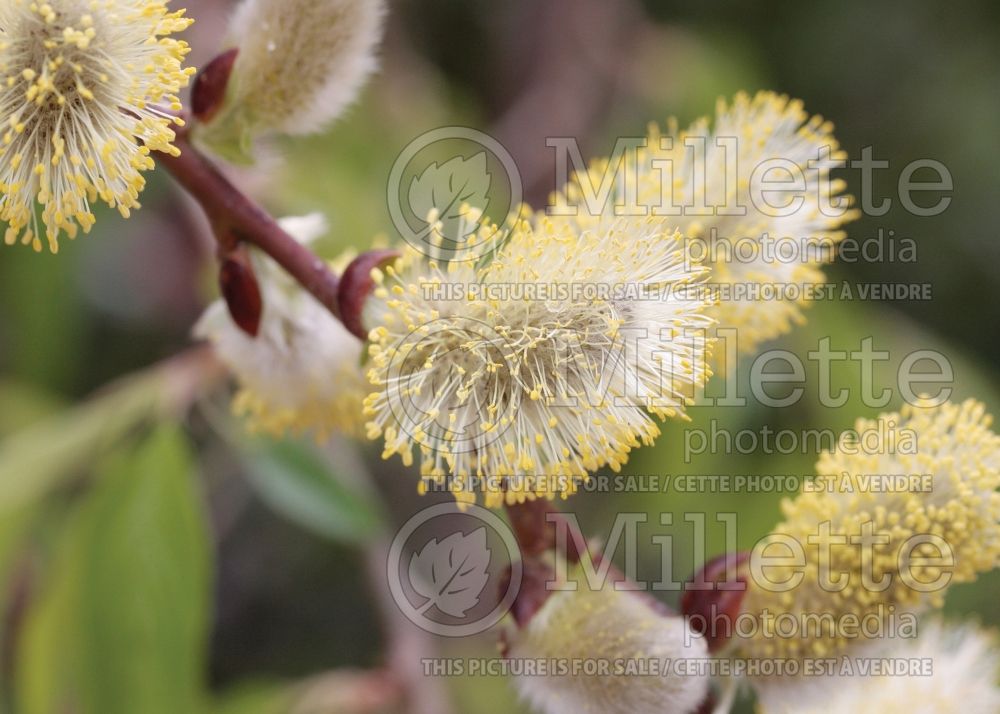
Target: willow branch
point(235, 218)
point(537, 526)
point(408, 645)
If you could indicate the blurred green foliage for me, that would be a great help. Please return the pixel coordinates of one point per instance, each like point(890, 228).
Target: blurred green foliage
point(121, 618)
point(294, 479)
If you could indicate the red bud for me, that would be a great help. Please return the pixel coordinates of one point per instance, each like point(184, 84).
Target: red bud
point(209, 89)
point(356, 285)
point(533, 593)
point(241, 291)
point(537, 524)
point(713, 598)
point(708, 704)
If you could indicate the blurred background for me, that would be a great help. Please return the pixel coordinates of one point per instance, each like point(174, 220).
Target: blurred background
point(241, 581)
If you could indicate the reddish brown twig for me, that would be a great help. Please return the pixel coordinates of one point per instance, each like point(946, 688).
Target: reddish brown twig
point(235, 218)
point(536, 524)
point(356, 284)
point(539, 526)
point(713, 598)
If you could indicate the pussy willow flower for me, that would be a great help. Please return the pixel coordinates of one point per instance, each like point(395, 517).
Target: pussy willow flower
point(959, 666)
point(302, 372)
point(601, 646)
point(86, 87)
point(874, 550)
point(520, 377)
point(705, 182)
point(300, 63)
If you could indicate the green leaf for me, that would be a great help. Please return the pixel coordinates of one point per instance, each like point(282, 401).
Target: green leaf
point(14, 532)
point(230, 137)
point(298, 482)
point(47, 674)
point(121, 626)
point(24, 404)
point(39, 458)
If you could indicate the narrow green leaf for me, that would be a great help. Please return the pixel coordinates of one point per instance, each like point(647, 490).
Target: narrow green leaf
point(121, 626)
point(230, 137)
point(47, 674)
point(36, 459)
point(298, 482)
point(24, 404)
point(17, 569)
point(144, 602)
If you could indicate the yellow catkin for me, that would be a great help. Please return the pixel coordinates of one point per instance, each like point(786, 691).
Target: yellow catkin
point(515, 393)
point(702, 182)
point(597, 643)
point(87, 92)
point(952, 507)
